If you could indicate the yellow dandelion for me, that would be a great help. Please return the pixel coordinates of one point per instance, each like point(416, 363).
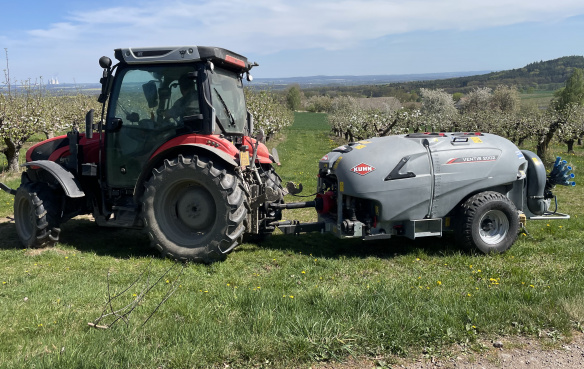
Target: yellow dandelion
point(439, 283)
point(303, 272)
point(468, 294)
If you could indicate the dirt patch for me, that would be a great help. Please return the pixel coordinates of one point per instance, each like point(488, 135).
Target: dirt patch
point(6, 220)
point(512, 353)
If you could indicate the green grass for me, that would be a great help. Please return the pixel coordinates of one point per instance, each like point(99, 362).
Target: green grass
point(541, 98)
point(292, 301)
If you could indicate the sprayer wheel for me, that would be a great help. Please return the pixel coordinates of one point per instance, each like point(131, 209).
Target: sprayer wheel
point(489, 222)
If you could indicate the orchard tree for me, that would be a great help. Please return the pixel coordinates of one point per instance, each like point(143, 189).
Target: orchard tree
point(572, 93)
point(479, 99)
point(318, 104)
point(505, 99)
point(294, 98)
point(438, 109)
point(21, 115)
point(568, 104)
point(269, 115)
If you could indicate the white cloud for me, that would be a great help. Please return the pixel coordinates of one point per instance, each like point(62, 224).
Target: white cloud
point(274, 25)
point(269, 26)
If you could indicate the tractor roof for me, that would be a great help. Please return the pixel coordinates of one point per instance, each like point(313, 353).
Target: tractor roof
point(183, 54)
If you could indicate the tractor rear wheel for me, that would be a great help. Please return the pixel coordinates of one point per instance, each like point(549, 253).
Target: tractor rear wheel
point(267, 215)
point(273, 181)
point(194, 210)
point(488, 221)
point(36, 215)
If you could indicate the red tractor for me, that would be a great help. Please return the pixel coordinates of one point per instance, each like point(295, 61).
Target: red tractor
point(172, 154)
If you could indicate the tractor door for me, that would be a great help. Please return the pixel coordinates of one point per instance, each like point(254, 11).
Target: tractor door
point(147, 108)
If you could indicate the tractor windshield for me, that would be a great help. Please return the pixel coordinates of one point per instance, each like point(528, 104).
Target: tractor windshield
point(228, 100)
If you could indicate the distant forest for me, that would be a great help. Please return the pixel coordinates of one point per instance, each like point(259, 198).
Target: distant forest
point(543, 75)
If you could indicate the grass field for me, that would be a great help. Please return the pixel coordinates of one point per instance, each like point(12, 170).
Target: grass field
point(540, 98)
point(290, 302)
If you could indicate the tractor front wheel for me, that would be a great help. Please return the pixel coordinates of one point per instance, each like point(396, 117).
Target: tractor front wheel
point(194, 210)
point(488, 221)
point(35, 215)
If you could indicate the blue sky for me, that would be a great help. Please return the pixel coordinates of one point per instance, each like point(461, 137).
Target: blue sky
point(64, 38)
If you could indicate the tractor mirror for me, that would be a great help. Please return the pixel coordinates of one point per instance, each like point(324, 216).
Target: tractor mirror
point(105, 62)
point(89, 124)
point(151, 93)
point(261, 136)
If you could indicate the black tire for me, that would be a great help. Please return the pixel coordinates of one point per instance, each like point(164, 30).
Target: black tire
point(267, 215)
point(272, 180)
point(36, 215)
point(194, 211)
point(489, 222)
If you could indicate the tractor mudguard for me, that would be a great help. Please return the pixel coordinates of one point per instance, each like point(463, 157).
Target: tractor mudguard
point(65, 178)
point(220, 153)
point(187, 149)
point(7, 189)
point(536, 179)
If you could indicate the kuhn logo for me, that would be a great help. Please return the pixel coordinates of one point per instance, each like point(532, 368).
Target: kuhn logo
point(362, 169)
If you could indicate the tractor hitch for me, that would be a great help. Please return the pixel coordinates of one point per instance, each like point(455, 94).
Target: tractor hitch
point(295, 227)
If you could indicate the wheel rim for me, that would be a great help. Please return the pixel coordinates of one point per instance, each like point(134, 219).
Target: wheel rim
point(195, 208)
point(494, 226)
point(188, 211)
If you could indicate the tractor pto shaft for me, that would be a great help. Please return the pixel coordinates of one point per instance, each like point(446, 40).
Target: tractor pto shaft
point(294, 205)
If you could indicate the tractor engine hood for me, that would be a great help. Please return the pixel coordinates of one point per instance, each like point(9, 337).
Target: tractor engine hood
point(422, 175)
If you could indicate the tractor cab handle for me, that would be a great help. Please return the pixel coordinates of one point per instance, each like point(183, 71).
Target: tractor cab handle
point(114, 125)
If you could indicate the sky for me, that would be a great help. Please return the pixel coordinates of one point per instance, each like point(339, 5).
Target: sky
point(64, 39)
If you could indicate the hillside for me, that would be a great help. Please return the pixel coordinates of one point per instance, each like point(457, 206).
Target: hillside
point(543, 75)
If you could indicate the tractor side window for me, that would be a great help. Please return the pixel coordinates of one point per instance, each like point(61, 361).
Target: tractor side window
point(151, 102)
point(136, 96)
point(228, 100)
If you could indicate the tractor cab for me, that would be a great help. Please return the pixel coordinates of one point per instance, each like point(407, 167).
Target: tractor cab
point(157, 94)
